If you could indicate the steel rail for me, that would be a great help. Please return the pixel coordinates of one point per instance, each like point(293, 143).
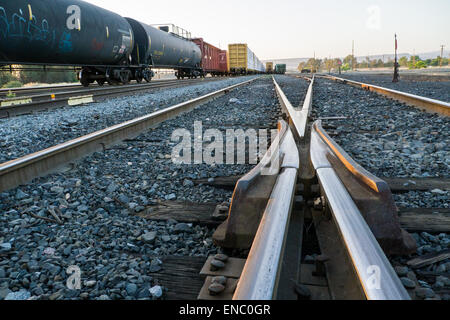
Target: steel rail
point(378, 279)
point(259, 278)
point(25, 90)
point(375, 274)
point(36, 93)
point(45, 91)
point(20, 171)
point(58, 87)
point(297, 118)
point(426, 104)
point(84, 96)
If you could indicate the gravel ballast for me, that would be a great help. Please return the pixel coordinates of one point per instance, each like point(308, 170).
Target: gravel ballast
point(99, 201)
point(26, 134)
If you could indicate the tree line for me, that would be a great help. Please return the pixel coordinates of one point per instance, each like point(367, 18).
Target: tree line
point(414, 62)
point(16, 77)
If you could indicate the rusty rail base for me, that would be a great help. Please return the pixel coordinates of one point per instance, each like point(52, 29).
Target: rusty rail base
point(23, 170)
point(423, 103)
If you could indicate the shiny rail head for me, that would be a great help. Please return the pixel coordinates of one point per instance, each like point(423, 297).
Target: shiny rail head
point(375, 273)
point(259, 278)
point(352, 166)
point(251, 194)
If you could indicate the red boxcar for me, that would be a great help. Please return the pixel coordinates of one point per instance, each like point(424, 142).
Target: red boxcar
point(223, 62)
point(212, 58)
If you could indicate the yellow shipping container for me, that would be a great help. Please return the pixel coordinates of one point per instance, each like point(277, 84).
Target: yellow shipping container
point(238, 56)
point(242, 60)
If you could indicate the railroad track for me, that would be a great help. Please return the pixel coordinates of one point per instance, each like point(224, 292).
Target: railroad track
point(423, 103)
point(428, 75)
point(141, 160)
point(30, 91)
point(318, 200)
point(268, 273)
point(33, 100)
point(354, 217)
point(16, 172)
point(413, 166)
point(27, 91)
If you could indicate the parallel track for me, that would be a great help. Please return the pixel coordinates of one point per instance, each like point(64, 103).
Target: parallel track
point(24, 169)
point(423, 103)
point(55, 97)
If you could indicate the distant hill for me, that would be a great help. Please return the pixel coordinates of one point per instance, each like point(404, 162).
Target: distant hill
point(423, 56)
point(292, 64)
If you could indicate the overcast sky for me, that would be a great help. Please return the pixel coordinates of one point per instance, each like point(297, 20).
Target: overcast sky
point(277, 29)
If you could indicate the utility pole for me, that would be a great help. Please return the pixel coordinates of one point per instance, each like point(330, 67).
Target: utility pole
point(396, 75)
point(314, 63)
point(442, 55)
point(330, 65)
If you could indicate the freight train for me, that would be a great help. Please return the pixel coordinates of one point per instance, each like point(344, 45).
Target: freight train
point(214, 60)
point(280, 69)
point(104, 45)
point(269, 67)
point(242, 60)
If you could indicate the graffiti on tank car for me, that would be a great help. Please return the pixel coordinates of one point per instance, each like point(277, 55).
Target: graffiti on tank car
point(97, 46)
point(19, 27)
point(65, 43)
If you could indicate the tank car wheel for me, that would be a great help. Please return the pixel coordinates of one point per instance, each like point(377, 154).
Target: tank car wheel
point(124, 78)
point(138, 75)
point(101, 82)
point(85, 82)
point(148, 76)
